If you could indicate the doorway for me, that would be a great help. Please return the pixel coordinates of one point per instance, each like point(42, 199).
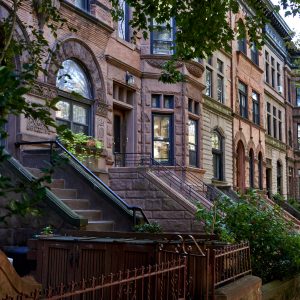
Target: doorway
point(269, 181)
point(119, 132)
point(240, 166)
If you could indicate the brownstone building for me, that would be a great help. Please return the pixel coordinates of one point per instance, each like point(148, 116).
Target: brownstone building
point(233, 123)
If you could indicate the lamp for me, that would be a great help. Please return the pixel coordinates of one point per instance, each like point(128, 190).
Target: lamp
point(129, 78)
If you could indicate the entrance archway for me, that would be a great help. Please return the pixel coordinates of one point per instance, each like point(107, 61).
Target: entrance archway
point(240, 167)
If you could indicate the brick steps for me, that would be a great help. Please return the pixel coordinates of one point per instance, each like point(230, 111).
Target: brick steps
point(79, 206)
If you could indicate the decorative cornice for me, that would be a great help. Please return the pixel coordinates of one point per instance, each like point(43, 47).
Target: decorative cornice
point(195, 68)
point(274, 143)
point(217, 107)
point(120, 64)
point(43, 90)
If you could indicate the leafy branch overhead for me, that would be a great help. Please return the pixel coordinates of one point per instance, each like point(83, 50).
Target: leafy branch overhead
point(202, 26)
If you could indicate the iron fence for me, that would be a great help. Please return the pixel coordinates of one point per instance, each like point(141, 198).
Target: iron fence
point(230, 263)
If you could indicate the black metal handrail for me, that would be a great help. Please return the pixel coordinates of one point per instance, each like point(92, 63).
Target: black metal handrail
point(56, 142)
point(190, 185)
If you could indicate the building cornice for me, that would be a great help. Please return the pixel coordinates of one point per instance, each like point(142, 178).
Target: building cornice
point(217, 107)
point(274, 143)
point(120, 64)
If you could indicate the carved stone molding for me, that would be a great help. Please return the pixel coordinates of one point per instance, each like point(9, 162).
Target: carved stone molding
point(44, 90)
point(36, 125)
point(195, 70)
point(102, 109)
point(159, 62)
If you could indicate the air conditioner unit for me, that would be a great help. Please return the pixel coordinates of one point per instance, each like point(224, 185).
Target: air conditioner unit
point(280, 89)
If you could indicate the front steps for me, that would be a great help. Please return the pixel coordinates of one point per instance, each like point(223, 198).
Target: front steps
point(81, 207)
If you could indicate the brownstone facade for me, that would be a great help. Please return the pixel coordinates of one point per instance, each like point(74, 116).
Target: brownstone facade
point(215, 123)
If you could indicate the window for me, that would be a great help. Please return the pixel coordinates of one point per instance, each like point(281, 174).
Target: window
point(163, 138)
point(289, 89)
point(82, 4)
point(193, 143)
point(279, 125)
point(279, 177)
point(217, 151)
point(163, 38)
point(220, 90)
point(155, 102)
point(260, 171)
point(193, 107)
point(279, 86)
point(122, 93)
point(209, 60)
point(243, 100)
point(123, 23)
point(273, 72)
point(274, 123)
point(208, 82)
point(254, 54)
point(251, 169)
point(75, 114)
point(269, 127)
point(220, 66)
point(255, 108)
point(169, 101)
point(242, 45)
point(298, 96)
point(298, 136)
point(162, 101)
point(267, 67)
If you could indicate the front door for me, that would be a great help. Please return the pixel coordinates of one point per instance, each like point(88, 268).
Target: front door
point(163, 138)
point(118, 134)
point(268, 181)
point(240, 165)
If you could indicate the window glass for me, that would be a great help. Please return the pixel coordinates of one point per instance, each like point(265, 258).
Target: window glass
point(83, 4)
point(298, 96)
point(72, 78)
point(220, 66)
point(255, 108)
point(123, 25)
point(217, 159)
point(63, 111)
point(162, 38)
point(168, 101)
point(193, 143)
point(220, 88)
point(155, 103)
point(208, 82)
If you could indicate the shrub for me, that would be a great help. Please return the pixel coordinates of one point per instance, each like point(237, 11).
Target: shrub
point(148, 228)
point(273, 241)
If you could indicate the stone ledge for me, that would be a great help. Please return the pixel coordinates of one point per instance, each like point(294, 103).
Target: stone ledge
point(246, 288)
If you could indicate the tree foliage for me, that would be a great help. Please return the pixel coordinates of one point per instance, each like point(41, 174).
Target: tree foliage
point(22, 60)
point(274, 242)
point(202, 26)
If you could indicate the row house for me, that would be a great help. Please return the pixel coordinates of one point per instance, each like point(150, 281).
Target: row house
point(234, 123)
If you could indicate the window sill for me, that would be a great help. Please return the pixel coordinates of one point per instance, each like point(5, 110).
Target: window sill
point(217, 182)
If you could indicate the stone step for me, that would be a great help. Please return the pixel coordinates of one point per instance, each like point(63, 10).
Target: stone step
point(35, 172)
point(100, 226)
point(56, 183)
point(77, 203)
point(65, 193)
point(90, 214)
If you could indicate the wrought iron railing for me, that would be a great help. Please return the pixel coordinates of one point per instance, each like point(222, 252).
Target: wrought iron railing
point(56, 144)
point(176, 176)
point(230, 263)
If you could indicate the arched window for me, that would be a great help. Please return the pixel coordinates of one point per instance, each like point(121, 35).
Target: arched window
point(217, 152)
point(74, 111)
point(260, 171)
point(279, 177)
point(251, 169)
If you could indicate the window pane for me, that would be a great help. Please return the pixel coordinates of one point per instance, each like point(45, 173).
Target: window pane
point(192, 132)
point(215, 141)
point(79, 114)
point(72, 78)
point(220, 89)
point(155, 103)
point(208, 82)
point(168, 101)
point(79, 128)
point(63, 111)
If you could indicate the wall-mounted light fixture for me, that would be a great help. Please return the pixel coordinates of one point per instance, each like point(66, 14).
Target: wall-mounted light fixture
point(129, 78)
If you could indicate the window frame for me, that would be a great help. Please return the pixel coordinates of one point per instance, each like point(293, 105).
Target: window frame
point(194, 163)
point(171, 41)
point(243, 95)
point(218, 158)
point(256, 112)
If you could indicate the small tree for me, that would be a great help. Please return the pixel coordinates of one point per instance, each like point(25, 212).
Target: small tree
point(17, 78)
